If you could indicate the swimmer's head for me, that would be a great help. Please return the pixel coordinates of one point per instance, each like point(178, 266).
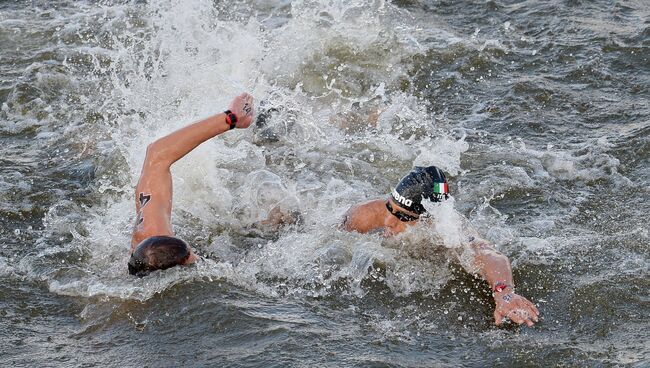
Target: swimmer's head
point(423, 182)
point(158, 253)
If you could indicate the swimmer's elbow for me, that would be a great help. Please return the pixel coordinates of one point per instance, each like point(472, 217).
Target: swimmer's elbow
point(155, 155)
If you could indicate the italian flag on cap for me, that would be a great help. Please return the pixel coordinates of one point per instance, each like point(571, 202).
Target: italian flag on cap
point(440, 188)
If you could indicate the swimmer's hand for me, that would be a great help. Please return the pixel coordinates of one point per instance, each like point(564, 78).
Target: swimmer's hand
point(243, 107)
point(277, 217)
point(515, 307)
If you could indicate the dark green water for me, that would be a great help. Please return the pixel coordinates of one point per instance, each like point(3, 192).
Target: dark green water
point(537, 110)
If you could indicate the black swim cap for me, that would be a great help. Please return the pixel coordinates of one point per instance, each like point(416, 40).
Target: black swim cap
point(423, 182)
point(157, 253)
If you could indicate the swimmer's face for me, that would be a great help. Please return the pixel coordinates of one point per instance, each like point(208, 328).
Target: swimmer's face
point(399, 219)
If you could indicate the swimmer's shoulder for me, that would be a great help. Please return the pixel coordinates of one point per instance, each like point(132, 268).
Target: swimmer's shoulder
point(363, 217)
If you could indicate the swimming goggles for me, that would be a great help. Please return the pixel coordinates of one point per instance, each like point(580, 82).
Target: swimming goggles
point(400, 215)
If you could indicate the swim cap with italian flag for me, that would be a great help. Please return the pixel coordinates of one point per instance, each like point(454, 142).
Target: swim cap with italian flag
point(423, 182)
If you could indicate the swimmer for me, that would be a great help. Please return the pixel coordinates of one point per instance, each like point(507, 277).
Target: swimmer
point(153, 245)
point(403, 208)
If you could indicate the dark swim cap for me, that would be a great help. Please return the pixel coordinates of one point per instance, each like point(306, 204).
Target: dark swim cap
point(423, 182)
point(157, 253)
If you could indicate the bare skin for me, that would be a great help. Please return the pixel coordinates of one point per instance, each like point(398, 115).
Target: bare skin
point(153, 194)
point(277, 218)
point(492, 266)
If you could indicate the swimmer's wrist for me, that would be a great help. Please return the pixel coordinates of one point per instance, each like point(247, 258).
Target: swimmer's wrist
point(502, 288)
point(231, 119)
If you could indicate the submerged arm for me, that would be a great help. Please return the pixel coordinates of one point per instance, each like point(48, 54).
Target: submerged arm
point(492, 266)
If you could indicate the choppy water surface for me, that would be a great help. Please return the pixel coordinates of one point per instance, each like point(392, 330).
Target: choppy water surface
point(537, 110)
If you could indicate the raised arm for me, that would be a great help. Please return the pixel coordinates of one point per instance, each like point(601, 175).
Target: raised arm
point(170, 148)
point(494, 268)
point(154, 188)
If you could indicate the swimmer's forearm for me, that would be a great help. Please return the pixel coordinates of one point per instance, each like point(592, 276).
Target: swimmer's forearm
point(172, 147)
point(494, 268)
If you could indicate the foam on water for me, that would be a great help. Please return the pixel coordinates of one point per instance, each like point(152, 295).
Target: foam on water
point(5, 269)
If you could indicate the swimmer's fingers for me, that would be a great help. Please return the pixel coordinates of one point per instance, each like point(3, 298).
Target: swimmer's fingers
point(515, 315)
point(534, 308)
point(517, 308)
point(512, 314)
point(498, 318)
point(530, 308)
point(520, 316)
point(529, 316)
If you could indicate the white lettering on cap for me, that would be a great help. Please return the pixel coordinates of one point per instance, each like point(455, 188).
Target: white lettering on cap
point(400, 199)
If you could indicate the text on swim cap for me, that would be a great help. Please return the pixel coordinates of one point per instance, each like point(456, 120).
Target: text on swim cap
point(400, 199)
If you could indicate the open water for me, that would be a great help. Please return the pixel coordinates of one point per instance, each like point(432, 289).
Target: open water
point(537, 110)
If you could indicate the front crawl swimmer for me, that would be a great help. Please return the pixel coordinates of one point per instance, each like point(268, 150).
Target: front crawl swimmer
point(153, 245)
point(403, 208)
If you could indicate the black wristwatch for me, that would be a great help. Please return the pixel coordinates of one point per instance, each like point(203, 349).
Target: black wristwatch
point(231, 119)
